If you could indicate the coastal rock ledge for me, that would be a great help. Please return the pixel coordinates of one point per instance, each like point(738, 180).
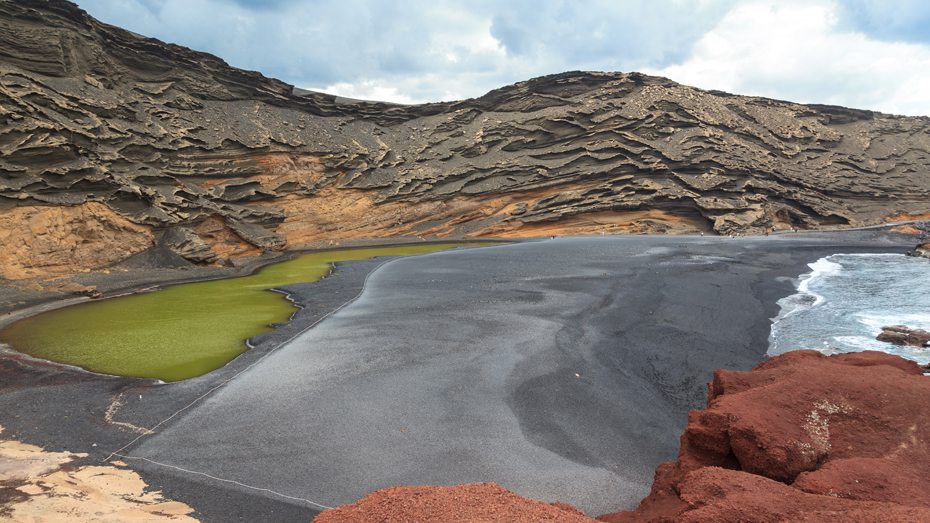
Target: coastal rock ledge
point(802, 437)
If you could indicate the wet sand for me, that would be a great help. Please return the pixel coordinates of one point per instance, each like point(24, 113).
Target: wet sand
point(561, 369)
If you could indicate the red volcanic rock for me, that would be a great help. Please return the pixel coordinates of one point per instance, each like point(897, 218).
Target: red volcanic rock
point(723, 496)
point(477, 502)
point(802, 437)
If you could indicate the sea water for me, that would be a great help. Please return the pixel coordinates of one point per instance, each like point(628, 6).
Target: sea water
point(846, 299)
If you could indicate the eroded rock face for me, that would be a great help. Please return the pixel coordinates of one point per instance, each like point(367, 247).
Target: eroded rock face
point(802, 437)
point(187, 244)
point(40, 240)
point(169, 137)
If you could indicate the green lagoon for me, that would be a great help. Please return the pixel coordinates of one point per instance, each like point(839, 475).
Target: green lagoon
point(180, 331)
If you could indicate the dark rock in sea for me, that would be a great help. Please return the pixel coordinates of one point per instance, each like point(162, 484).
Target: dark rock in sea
point(802, 437)
point(903, 335)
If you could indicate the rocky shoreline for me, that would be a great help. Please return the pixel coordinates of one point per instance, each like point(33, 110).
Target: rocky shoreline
point(802, 437)
point(66, 409)
point(129, 164)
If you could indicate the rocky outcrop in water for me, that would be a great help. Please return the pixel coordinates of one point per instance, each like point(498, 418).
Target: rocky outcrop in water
point(903, 335)
point(802, 437)
point(159, 137)
point(922, 250)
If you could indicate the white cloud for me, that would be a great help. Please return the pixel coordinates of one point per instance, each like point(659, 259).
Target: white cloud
point(812, 51)
point(795, 51)
point(375, 90)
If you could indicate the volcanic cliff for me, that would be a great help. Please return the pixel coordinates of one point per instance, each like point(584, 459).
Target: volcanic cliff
point(112, 142)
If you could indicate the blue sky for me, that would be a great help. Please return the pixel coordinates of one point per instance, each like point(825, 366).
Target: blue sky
point(867, 54)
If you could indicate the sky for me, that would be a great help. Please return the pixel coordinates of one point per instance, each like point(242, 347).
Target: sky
point(865, 54)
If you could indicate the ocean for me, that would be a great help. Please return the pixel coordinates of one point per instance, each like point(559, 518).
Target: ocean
point(846, 299)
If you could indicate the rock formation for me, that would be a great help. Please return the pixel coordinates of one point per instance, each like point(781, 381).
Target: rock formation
point(802, 437)
point(153, 137)
point(37, 485)
point(470, 502)
point(902, 335)
point(923, 250)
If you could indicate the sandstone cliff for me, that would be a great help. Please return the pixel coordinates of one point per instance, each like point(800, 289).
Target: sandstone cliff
point(152, 137)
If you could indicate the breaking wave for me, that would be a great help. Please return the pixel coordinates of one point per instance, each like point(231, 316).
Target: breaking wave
point(846, 299)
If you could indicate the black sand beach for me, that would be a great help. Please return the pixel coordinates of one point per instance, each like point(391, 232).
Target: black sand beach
point(561, 369)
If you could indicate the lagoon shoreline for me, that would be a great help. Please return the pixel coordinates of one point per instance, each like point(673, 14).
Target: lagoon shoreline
point(37, 396)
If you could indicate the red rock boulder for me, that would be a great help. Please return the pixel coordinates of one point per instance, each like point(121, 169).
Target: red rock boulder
point(473, 502)
point(802, 437)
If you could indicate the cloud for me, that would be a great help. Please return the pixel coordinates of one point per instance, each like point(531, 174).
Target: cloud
point(434, 47)
point(849, 52)
point(511, 36)
point(900, 21)
point(799, 51)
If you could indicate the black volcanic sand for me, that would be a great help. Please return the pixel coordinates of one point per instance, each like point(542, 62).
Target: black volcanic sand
point(561, 369)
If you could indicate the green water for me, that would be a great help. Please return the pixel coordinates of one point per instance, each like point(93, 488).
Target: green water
point(181, 331)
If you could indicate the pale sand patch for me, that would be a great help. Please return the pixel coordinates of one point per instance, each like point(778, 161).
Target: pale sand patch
point(47, 492)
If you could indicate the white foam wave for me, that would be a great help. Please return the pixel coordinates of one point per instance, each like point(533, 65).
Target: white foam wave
point(860, 343)
point(806, 299)
point(875, 322)
point(820, 269)
point(846, 299)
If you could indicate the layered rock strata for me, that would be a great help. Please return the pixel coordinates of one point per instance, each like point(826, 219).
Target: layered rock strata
point(229, 163)
point(802, 437)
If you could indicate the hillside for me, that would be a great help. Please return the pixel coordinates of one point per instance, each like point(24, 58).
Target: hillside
point(112, 142)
